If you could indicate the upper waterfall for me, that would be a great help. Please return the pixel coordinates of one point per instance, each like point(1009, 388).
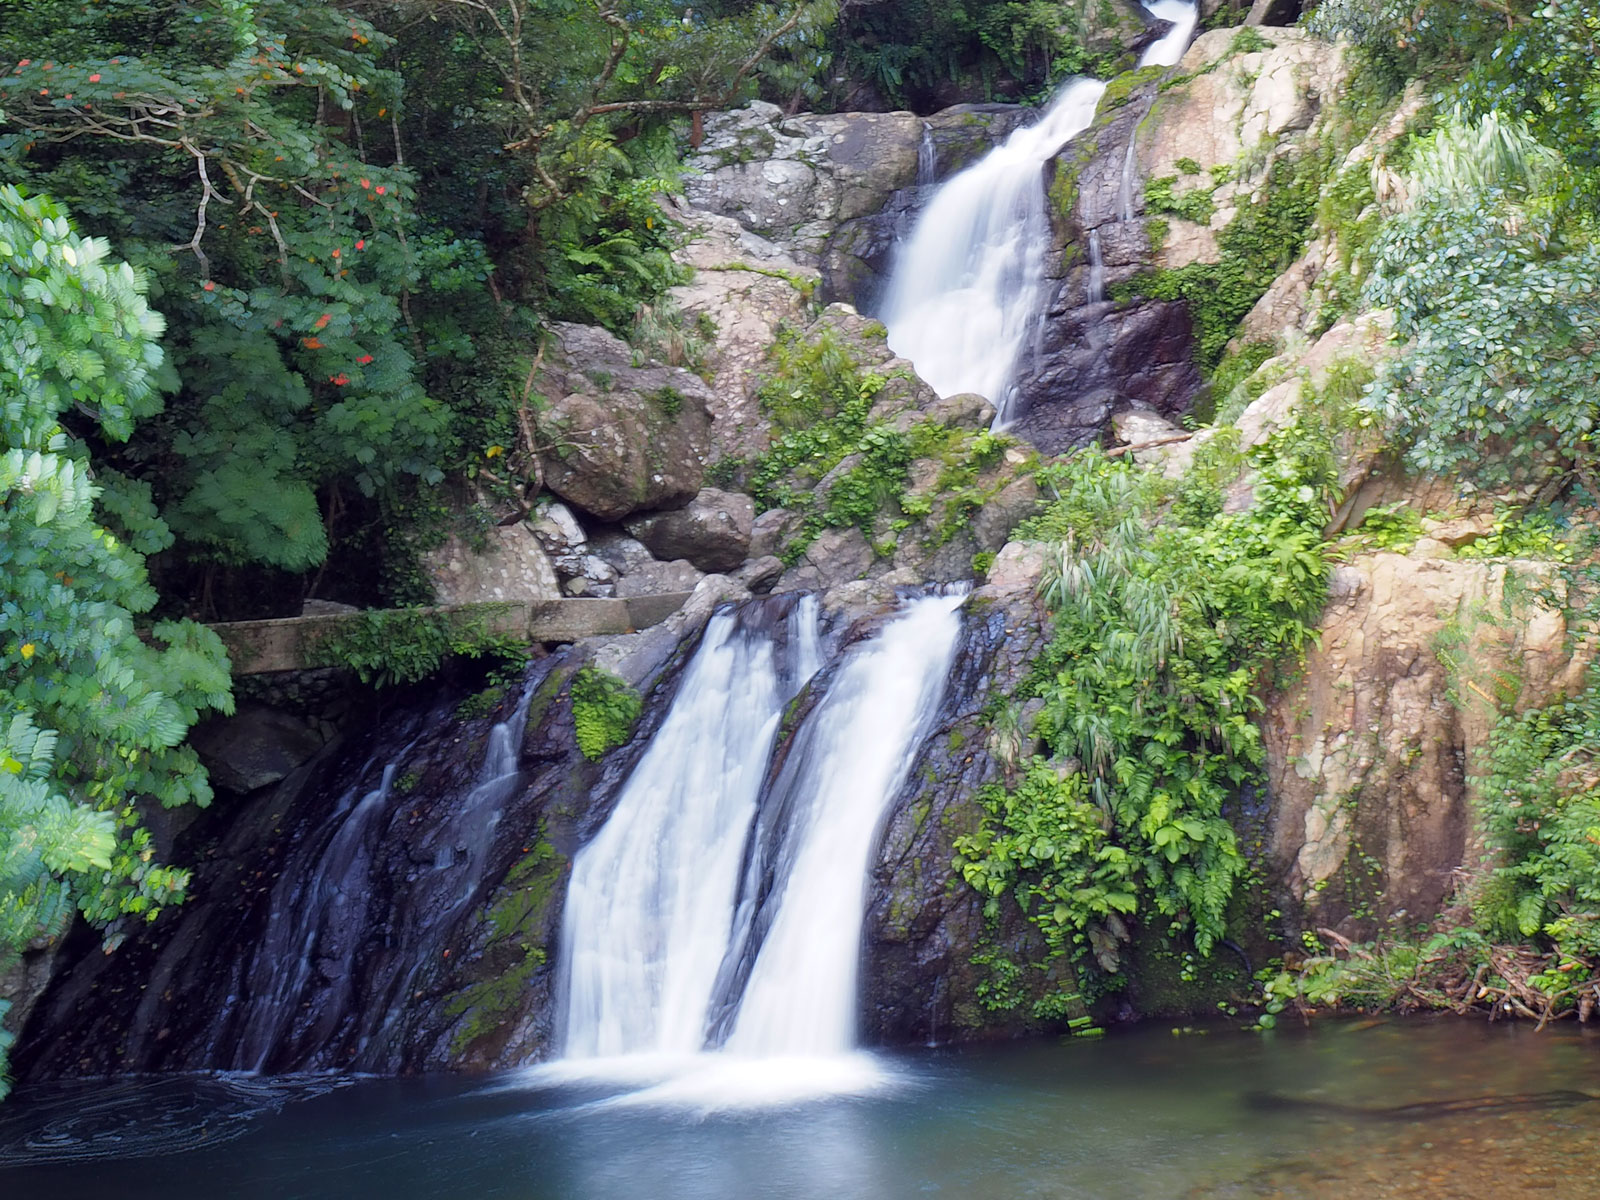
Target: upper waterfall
point(969, 286)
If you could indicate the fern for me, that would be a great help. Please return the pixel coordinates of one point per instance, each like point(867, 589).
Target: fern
point(604, 711)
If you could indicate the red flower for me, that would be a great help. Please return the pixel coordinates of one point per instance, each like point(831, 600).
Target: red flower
point(339, 380)
point(95, 78)
point(362, 244)
point(364, 359)
point(381, 189)
point(323, 320)
point(209, 286)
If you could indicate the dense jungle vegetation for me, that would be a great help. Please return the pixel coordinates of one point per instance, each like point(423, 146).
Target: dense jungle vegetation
point(273, 272)
point(1172, 618)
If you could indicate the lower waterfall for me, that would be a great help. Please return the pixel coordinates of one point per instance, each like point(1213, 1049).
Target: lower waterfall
point(712, 927)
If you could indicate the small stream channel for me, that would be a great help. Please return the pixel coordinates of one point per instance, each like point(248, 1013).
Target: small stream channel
point(1419, 1108)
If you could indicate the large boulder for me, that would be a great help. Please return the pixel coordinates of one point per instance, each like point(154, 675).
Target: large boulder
point(712, 531)
point(1099, 358)
point(744, 290)
point(792, 179)
point(1371, 750)
point(1235, 109)
point(838, 190)
point(509, 567)
point(616, 438)
point(256, 746)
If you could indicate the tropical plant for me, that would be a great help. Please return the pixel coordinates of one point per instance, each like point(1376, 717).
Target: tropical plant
point(1498, 301)
point(1149, 687)
point(93, 709)
point(1540, 796)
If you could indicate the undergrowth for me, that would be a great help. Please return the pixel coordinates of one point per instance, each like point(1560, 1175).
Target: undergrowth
point(604, 711)
point(1162, 638)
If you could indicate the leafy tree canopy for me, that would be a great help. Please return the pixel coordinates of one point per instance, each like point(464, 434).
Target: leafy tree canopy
point(93, 710)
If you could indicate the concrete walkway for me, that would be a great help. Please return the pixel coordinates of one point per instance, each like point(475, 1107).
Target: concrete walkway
point(289, 643)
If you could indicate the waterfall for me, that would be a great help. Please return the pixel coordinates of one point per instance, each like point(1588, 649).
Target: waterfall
point(696, 869)
point(969, 289)
point(1169, 47)
point(927, 158)
point(1097, 269)
point(853, 757)
point(651, 897)
point(306, 935)
point(289, 947)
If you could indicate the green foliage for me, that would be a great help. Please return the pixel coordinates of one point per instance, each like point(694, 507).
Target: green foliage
point(285, 256)
point(1397, 974)
point(1499, 305)
point(1248, 40)
point(604, 711)
point(93, 715)
point(392, 646)
point(1236, 367)
point(1400, 40)
point(1257, 245)
point(1394, 527)
point(1540, 797)
point(820, 398)
point(1045, 844)
point(1520, 535)
point(610, 245)
point(1161, 635)
point(915, 51)
point(1121, 88)
point(1194, 205)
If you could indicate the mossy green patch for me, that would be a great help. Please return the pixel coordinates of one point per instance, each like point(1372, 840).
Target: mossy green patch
point(1258, 244)
point(1120, 90)
point(518, 923)
point(604, 711)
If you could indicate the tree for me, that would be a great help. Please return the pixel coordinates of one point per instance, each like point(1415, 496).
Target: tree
point(93, 710)
point(246, 136)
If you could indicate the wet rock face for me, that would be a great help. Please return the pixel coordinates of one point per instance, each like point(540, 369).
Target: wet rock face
point(924, 925)
point(334, 924)
point(1098, 359)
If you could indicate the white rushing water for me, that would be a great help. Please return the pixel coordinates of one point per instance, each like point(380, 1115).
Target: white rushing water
point(651, 930)
point(801, 995)
point(969, 286)
point(648, 910)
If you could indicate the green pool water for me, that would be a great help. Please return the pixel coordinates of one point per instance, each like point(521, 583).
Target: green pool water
point(1416, 1108)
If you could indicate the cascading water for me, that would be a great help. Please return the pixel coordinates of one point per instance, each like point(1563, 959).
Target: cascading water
point(655, 917)
point(927, 158)
point(1097, 269)
point(969, 287)
point(966, 287)
point(853, 757)
point(304, 931)
point(289, 946)
point(650, 900)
